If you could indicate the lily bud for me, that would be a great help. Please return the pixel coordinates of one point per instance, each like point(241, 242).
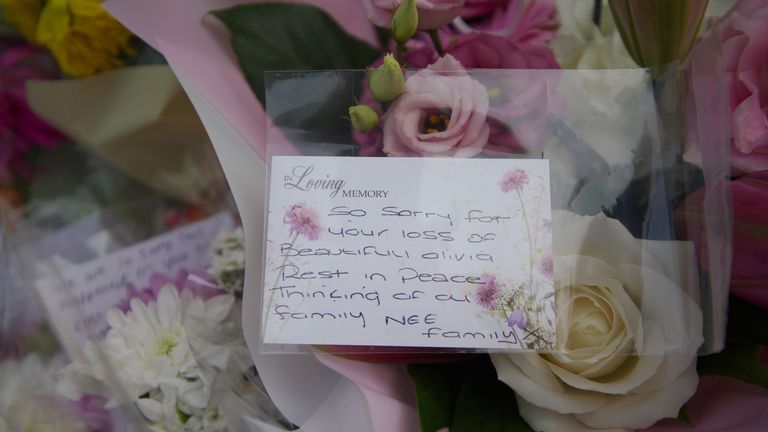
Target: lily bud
point(363, 118)
point(656, 32)
point(405, 21)
point(386, 82)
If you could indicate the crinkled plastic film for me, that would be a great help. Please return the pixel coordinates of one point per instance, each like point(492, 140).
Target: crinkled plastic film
point(622, 193)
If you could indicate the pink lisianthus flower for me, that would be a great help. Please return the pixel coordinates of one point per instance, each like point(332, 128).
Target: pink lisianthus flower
point(488, 51)
point(749, 195)
point(303, 220)
point(519, 21)
point(743, 34)
point(520, 102)
point(21, 129)
point(442, 112)
point(432, 13)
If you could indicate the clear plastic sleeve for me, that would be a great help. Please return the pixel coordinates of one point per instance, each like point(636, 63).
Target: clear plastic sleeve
point(614, 140)
point(127, 293)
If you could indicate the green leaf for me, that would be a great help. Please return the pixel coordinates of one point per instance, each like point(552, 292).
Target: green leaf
point(485, 404)
point(466, 397)
point(683, 416)
point(747, 322)
point(279, 36)
point(436, 387)
point(738, 360)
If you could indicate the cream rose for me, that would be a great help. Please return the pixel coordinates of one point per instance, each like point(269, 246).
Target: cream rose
point(628, 332)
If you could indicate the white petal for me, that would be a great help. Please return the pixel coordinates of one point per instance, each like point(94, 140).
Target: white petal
point(634, 371)
point(151, 409)
point(167, 305)
point(217, 308)
point(544, 420)
point(638, 411)
point(565, 401)
point(663, 301)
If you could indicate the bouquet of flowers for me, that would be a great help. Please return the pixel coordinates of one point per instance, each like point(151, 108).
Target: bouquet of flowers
point(643, 170)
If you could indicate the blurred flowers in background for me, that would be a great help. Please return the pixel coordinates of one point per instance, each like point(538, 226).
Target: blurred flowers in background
point(743, 33)
point(588, 39)
point(21, 130)
point(82, 36)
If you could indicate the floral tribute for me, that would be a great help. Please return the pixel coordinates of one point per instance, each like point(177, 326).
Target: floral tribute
point(167, 344)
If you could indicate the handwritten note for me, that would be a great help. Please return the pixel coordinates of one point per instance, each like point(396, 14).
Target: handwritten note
point(78, 297)
point(409, 252)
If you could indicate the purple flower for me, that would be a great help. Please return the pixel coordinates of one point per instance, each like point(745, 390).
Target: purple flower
point(488, 291)
point(91, 410)
point(199, 282)
point(516, 318)
point(514, 180)
point(303, 220)
point(546, 266)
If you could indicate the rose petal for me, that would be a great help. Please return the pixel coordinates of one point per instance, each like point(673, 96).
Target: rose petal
point(642, 410)
point(565, 401)
point(542, 419)
point(633, 372)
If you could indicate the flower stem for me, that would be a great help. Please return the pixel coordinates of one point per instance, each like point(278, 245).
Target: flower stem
point(436, 40)
point(399, 51)
point(293, 238)
point(530, 247)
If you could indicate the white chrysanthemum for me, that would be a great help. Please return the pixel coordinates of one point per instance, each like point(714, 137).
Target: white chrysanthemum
point(229, 260)
point(148, 352)
point(28, 400)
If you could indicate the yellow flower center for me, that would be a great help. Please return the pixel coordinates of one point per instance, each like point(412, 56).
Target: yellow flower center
point(166, 346)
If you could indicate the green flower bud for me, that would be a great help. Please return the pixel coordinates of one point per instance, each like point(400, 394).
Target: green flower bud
point(363, 117)
point(405, 21)
point(387, 81)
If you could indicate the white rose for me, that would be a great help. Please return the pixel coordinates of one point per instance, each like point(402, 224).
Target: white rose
point(617, 296)
point(580, 44)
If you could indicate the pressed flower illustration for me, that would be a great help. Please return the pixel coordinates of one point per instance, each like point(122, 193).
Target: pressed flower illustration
point(516, 319)
point(304, 221)
point(514, 180)
point(546, 266)
point(488, 292)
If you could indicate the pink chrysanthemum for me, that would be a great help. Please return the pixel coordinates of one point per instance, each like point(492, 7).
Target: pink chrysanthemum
point(514, 180)
point(303, 220)
point(546, 266)
point(488, 291)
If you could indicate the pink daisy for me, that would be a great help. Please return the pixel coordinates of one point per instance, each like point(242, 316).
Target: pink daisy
point(303, 220)
point(514, 180)
point(488, 291)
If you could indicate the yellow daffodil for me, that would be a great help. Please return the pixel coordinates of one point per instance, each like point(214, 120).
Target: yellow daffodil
point(83, 37)
point(23, 14)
